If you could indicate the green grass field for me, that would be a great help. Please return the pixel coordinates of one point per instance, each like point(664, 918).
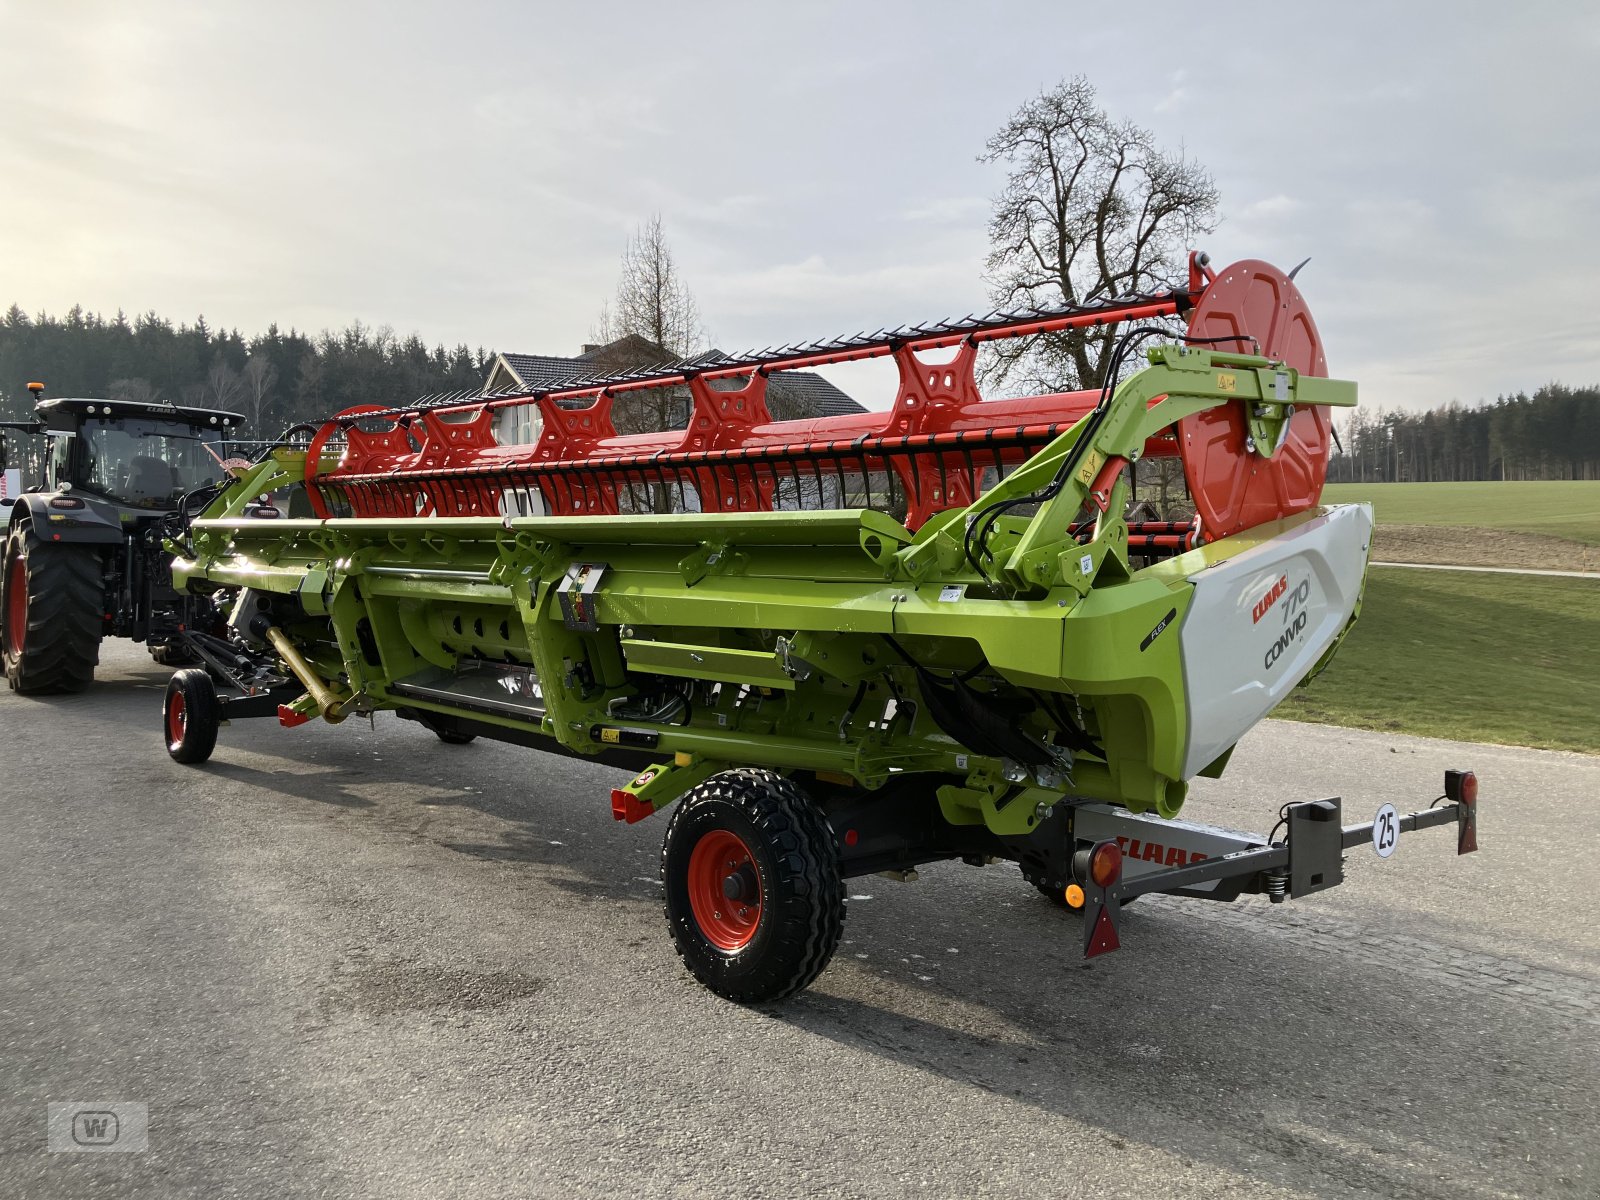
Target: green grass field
point(1563, 508)
point(1492, 658)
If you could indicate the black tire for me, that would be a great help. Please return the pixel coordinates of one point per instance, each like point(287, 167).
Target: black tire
point(1059, 899)
point(783, 926)
point(173, 654)
point(191, 716)
point(1056, 896)
point(51, 620)
point(449, 737)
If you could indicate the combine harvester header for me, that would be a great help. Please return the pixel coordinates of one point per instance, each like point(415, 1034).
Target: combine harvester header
point(841, 645)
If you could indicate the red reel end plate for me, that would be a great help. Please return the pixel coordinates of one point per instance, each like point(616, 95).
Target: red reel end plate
point(1232, 488)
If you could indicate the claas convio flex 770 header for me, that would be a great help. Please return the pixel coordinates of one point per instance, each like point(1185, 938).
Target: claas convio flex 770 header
point(844, 645)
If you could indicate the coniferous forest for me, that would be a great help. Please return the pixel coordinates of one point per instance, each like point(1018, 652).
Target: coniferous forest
point(275, 378)
point(1552, 433)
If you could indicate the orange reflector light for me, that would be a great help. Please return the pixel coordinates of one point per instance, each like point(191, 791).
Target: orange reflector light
point(1105, 864)
point(1073, 896)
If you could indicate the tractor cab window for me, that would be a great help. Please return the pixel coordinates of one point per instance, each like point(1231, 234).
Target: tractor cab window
point(148, 464)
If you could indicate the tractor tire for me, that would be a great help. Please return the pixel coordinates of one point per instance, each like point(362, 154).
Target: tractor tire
point(191, 716)
point(51, 620)
point(754, 900)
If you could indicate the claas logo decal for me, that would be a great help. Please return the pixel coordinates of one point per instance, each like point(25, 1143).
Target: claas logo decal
point(1264, 605)
point(1154, 852)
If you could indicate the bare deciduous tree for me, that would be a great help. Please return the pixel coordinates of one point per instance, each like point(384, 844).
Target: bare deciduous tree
point(140, 391)
point(1092, 208)
point(223, 387)
point(257, 382)
point(653, 305)
point(652, 301)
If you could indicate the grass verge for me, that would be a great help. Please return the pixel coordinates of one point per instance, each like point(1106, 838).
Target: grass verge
point(1488, 658)
point(1558, 508)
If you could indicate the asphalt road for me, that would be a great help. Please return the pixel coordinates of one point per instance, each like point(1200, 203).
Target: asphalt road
point(350, 962)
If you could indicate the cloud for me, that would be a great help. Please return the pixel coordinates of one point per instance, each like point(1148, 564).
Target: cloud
point(949, 210)
point(1178, 94)
point(1271, 208)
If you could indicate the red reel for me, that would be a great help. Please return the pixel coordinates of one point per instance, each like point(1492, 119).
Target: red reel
point(1233, 488)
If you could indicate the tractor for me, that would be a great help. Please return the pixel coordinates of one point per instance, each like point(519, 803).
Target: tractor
point(83, 557)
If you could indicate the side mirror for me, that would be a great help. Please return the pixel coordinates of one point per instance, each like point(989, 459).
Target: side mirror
point(6, 501)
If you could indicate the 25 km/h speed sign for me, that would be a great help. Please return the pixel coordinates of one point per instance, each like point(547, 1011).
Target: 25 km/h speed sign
point(1386, 831)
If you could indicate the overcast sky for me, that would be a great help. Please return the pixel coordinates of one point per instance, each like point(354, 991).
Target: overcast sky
point(471, 172)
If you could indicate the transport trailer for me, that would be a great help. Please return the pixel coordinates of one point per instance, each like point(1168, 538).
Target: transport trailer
point(842, 646)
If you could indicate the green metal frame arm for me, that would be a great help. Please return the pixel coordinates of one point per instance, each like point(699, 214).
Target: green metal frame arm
point(1179, 382)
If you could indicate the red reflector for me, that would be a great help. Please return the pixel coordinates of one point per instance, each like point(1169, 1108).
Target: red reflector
point(1105, 864)
point(288, 718)
point(1462, 787)
point(851, 837)
point(1104, 939)
point(625, 806)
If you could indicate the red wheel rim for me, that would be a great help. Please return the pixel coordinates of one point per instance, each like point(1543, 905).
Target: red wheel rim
point(725, 890)
point(177, 720)
point(17, 604)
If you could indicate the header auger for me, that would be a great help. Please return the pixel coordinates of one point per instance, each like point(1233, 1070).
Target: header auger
point(843, 645)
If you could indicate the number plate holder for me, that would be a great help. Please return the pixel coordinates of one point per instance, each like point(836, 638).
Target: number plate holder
point(1316, 847)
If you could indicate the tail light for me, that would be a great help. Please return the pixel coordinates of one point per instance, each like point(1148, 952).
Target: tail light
point(1105, 864)
point(1461, 786)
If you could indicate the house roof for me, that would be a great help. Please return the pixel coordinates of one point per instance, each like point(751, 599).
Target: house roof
point(543, 370)
point(634, 349)
point(812, 390)
point(804, 389)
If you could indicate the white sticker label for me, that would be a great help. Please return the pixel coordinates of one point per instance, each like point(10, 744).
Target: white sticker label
point(1086, 564)
point(952, 592)
point(1385, 831)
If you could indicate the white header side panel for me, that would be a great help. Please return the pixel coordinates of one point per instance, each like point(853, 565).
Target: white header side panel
point(1259, 622)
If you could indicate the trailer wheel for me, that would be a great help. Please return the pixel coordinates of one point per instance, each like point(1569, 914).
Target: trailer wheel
point(754, 900)
point(191, 716)
point(51, 621)
point(1058, 897)
point(450, 737)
